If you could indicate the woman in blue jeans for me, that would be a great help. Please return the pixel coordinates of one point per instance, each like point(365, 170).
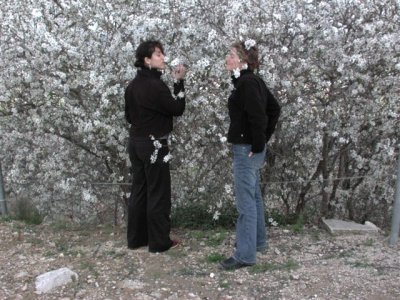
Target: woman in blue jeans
point(253, 113)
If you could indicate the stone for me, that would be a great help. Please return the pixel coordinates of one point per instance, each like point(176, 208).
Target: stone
point(294, 277)
point(21, 275)
point(142, 296)
point(53, 279)
point(337, 227)
point(131, 284)
point(372, 225)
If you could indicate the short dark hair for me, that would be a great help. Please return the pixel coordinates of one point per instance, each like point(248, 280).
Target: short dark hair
point(146, 49)
point(249, 56)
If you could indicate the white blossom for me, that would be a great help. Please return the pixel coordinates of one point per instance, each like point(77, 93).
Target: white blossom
point(63, 88)
point(167, 157)
point(249, 44)
point(216, 215)
point(236, 73)
point(175, 62)
point(272, 222)
point(203, 63)
point(157, 146)
point(228, 188)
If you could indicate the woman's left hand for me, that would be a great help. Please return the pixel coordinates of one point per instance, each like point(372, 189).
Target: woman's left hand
point(179, 72)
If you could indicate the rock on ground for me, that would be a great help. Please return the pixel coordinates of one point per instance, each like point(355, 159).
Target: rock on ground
point(53, 279)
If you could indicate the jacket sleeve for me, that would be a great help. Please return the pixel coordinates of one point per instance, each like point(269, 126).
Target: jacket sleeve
point(254, 106)
point(273, 112)
point(169, 105)
point(127, 96)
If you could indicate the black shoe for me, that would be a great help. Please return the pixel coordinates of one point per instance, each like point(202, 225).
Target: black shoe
point(232, 264)
point(136, 247)
point(174, 244)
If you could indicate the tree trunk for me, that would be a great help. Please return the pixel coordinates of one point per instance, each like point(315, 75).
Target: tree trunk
point(325, 204)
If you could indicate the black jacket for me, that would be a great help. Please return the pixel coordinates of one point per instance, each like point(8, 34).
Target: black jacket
point(253, 111)
point(149, 105)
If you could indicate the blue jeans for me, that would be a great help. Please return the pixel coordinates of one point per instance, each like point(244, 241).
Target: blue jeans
point(251, 234)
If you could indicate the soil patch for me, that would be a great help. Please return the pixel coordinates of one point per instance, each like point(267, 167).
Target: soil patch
point(308, 265)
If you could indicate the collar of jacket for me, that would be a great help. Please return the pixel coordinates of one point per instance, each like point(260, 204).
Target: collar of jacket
point(150, 73)
point(242, 72)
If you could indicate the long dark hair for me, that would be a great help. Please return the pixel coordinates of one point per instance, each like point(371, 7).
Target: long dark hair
point(146, 49)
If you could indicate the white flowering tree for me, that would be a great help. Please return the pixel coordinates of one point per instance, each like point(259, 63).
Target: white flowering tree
point(333, 65)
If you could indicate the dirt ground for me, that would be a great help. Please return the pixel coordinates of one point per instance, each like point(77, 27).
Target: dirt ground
point(308, 265)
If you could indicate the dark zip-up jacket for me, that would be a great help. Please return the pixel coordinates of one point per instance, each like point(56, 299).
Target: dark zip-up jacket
point(253, 112)
point(150, 106)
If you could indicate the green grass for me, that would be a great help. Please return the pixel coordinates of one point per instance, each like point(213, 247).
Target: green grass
point(197, 216)
point(75, 253)
point(62, 245)
point(214, 257)
point(359, 264)
point(211, 238)
point(315, 235)
point(86, 265)
point(25, 211)
point(298, 226)
point(115, 254)
point(190, 272)
point(49, 254)
point(345, 254)
point(60, 225)
point(7, 218)
point(289, 265)
point(187, 272)
point(199, 234)
point(34, 241)
point(176, 253)
point(369, 242)
point(224, 284)
point(216, 239)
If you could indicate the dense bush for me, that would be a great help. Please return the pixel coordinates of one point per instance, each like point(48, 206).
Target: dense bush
point(333, 65)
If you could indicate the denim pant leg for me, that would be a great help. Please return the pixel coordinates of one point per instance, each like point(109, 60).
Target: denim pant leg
point(262, 234)
point(246, 172)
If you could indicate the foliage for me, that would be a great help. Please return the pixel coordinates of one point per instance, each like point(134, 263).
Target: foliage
point(27, 212)
point(289, 265)
point(214, 257)
point(298, 227)
point(333, 65)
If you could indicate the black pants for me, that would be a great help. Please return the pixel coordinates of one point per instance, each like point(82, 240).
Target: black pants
point(149, 206)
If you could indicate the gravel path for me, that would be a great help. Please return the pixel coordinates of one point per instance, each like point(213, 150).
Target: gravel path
point(307, 265)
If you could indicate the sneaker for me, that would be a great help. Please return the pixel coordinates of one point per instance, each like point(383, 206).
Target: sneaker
point(232, 264)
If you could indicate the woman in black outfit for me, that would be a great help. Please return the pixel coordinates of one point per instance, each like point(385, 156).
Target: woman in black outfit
point(149, 108)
